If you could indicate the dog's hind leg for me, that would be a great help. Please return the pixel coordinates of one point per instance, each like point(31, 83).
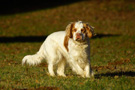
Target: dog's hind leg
point(61, 68)
point(50, 69)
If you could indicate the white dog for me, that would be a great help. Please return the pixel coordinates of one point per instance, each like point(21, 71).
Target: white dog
point(71, 46)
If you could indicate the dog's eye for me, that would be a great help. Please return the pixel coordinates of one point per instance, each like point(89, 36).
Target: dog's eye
point(83, 30)
point(74, 30)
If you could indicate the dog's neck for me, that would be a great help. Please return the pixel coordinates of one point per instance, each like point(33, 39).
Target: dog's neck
point(78, 45)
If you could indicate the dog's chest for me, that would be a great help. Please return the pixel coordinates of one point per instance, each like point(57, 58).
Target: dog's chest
point(79, 52)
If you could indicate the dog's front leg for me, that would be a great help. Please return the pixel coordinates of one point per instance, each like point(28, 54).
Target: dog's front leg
point(88, 71)
point(75, 67)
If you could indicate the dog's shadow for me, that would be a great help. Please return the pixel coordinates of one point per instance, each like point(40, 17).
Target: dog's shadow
point(113, 74)
point(22, 39)
point(105, 35)
point(41, 38)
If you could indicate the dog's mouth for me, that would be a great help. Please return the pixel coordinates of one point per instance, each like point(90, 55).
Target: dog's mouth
point(79, 39)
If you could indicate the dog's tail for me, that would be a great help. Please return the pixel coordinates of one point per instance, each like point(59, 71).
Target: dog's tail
point(34, 59)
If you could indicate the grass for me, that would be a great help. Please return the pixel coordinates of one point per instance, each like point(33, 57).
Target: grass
point(112, 50)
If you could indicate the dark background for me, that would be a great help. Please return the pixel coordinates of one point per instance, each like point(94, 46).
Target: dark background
point(19, 6)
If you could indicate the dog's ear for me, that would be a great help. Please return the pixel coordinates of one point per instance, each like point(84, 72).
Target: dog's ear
point(68, 34)
point(89, 30)
point(69, 30)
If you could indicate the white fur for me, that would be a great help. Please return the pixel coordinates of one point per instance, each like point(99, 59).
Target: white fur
point(54, 52)
point(79, 26)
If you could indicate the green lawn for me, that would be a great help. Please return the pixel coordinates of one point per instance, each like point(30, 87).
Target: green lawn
point(112, 50)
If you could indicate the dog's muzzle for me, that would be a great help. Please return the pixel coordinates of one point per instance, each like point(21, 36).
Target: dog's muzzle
point(79, 36)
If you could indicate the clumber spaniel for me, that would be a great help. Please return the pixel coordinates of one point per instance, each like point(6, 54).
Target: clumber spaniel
point(71, 46)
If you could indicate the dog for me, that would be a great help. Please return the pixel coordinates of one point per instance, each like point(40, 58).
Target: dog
point(71, 46)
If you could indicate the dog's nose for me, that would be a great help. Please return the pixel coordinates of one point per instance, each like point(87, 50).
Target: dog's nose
point(78, 35)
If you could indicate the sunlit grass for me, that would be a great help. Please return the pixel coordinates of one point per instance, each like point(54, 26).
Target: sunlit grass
point(112, 50)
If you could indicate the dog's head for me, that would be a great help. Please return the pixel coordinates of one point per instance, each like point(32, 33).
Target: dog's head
point(78, 31)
